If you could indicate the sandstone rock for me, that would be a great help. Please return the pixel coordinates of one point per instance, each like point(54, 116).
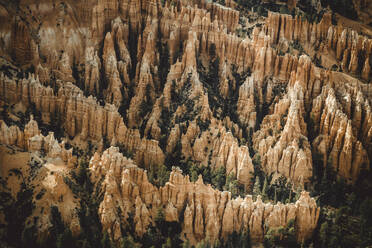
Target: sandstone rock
point(11, 135)
point(113, 91)
point(294, 28)
point(32, 140)
point(358, 45)
point(92, 71)
point(22, 44)
point(219, 210)
point(81, 116)
point(337, 143)
point(273, 103)
point(227, 153)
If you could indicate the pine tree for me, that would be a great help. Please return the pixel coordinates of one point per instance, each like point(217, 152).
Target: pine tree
point(264, 189)
point(323, 233)
point(163, 175)
point(82, 171)
point(168, 243)
point(105, 241)
point(160, 219)
point(245, 240)
point(194, 173)
point(186, 244)
point(257, 187)
point(65, 239)
point(127, 242)
point(298, 193)
point(164, 64)
point(219, 177)
point(290, 196)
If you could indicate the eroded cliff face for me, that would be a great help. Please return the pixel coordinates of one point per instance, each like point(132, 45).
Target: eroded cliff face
point(344, 132)
point(31, 139)
point(38, 165)
point(206, 212)
point(180, 82)
point(82, 118)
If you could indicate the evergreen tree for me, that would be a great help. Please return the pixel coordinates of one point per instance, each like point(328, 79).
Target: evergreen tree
point(298, 194)
point(168, 243)
point(65, 239)
point(160, 218)
point(257, 187)
point(245, 239)
point(219, 177)
point(163, 175)
point(105, 241)
point(164, 64)
point(194, 176)
point(128, 242)
point(194, 173)
point(264, 189)
point(82, 175)
point(186, 244)
point(232, 185)
point(323, 233)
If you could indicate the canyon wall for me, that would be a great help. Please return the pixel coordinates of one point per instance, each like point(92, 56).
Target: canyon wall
point(206, 212)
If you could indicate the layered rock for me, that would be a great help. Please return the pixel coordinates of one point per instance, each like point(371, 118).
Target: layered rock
point(82, 118)
point(109, 49)
point(338, 141)
point(113, 92)
point(228, 16)
point(92, 71)
point(44, 167)
point(32, 140)
point(145, 86)
point(281, 27)
point(282, 138)
point(289, 153)
point(235, 158)
point(352, 49)
point(22, 45)
point(208, 213)
point(175, 27)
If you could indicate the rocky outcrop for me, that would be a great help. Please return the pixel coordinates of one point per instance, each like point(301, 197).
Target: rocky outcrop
point(145, 74)
point(113, 92)
point(281, 140)
point(352, 49)
point(175, 27)
point(339, 143)
point(235, 158)
point(22, 47)
point(280, 27)
point(207, 213)
point(32, 140)
point(281, 106)
point(285, 150)
point(228, 16)
point(92, 71)
point(364, 10)
point(82, 118)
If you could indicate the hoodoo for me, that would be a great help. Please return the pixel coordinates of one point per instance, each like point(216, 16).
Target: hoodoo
point(185, 123)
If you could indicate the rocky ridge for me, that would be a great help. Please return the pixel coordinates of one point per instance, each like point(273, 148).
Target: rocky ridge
point(206, 212)
point(287, 94)
point(31, 139)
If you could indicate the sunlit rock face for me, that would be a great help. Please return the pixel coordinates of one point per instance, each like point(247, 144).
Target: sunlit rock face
point(207, 212)
point(125, 87)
